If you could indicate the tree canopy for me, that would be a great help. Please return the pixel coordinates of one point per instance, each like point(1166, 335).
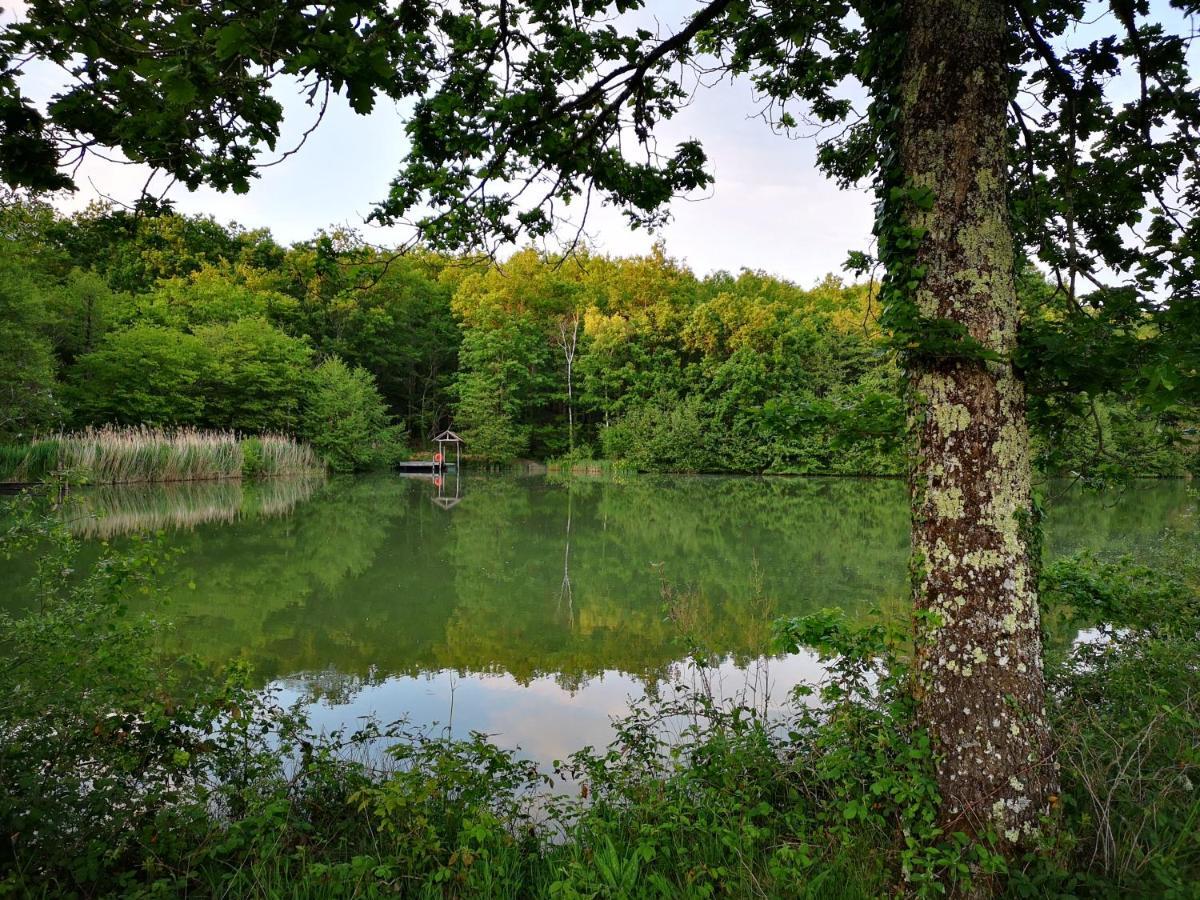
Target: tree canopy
point(524, 111)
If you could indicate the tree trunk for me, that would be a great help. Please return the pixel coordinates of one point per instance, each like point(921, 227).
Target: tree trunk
point(980, 690)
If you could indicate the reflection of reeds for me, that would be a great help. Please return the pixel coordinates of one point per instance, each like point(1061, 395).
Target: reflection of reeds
point(108, 512)
point(125, 455)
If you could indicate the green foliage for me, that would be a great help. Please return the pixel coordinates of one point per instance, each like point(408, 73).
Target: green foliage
point(209, 296)
point(246, 375)
point(79, 311)
point(258, 377)
point(28, 391)
point(666, 437)
point(391, 316)
point(146, 374)
point(866, 751)
point(491, 389)
point(1126, 715)
point(346, 420)
point(1100, 181)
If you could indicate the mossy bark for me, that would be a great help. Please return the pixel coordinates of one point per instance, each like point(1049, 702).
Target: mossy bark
point(979, 669)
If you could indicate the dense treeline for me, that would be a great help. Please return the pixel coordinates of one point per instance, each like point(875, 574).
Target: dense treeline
point(145, 317)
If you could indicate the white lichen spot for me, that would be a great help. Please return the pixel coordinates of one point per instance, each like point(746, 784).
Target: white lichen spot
point(948, 503)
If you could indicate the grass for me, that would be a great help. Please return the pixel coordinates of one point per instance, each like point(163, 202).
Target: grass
point(129, 455)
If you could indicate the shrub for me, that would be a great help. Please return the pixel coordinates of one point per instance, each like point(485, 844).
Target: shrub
point(346, 420)
point(28, 388)
point(666, 436)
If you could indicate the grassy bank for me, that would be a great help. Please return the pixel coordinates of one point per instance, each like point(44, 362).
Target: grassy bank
point(124, 455)
point(223, 792)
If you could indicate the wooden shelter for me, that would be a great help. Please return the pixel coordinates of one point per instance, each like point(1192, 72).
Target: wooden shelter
point(445, 442)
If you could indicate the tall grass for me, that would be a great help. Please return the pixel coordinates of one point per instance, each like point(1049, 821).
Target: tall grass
point(28, 463)
point(123, 455)
point(277, 454)
point(127, 455)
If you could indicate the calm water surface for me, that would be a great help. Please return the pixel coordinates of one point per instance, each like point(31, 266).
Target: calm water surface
point(530, 609)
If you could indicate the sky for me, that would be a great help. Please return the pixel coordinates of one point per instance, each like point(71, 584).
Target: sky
point(769, 209)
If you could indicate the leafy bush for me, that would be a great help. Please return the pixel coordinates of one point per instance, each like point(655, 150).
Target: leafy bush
point(666, 436)
point(346, 420)
point(245, 376)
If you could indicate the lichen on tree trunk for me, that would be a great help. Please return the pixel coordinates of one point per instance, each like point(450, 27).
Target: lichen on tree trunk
point(980, 687)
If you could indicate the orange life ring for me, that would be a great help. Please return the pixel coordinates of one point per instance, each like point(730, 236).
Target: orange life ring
point(437, 458)
point(437, 480)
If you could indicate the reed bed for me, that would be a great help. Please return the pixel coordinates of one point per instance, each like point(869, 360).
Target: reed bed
point(28, 463)
point(130, 455)
point(277, 454)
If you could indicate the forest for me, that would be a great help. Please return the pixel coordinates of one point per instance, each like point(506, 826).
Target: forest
point(146, 317)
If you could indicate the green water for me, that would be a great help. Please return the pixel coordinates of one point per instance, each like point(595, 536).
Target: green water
point(529, 608)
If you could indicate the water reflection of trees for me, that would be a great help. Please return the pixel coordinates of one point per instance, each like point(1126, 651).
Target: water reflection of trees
point(369, 579)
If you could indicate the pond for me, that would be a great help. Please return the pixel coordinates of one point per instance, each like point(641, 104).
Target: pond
point(532, 608)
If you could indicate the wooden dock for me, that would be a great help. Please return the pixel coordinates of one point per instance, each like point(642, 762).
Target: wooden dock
point(423, 467)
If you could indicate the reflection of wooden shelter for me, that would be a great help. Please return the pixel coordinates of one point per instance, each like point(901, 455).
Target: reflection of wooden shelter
point(444, 500)
point(446, 441)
